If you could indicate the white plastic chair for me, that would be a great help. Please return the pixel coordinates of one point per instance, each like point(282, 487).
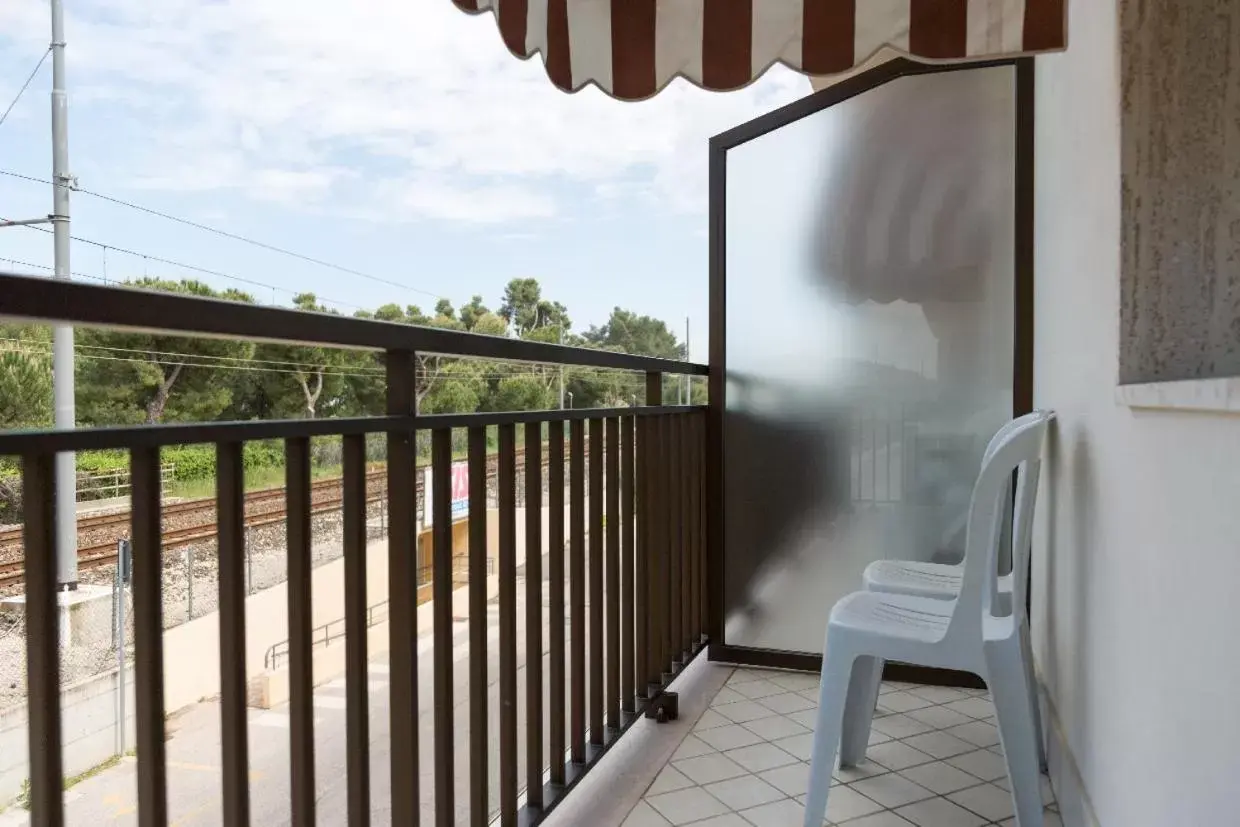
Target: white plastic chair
point(942, 582)
point(965, 633)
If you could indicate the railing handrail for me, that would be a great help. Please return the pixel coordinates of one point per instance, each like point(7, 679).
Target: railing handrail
point(149, 436)
point(321, 636)
point(47, 300)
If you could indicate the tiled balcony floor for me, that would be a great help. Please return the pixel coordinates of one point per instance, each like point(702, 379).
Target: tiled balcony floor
point(934, 761)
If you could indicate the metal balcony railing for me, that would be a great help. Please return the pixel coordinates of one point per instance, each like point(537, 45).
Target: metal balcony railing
point(634, 548)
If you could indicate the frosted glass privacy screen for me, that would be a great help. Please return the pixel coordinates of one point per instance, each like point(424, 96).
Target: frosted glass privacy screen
point(869, 271)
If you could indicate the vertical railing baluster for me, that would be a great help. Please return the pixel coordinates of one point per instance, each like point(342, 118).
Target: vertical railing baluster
point(577, 592)
point(596, 581)
point(654, 556)
point(671, 461)
point(148, 627)
point(300, 623)
point(704, 517)
point(643, 603)
point(230, 516)
point(42, 641)
point(357, 679)
point(660, 546)
point(689, 567)
point(441, 614)
point(402, 590)
point(630, 650)
point(650, 497)
point(555, 598)
point(695, 523)
point(507, 479)
point(613, 572)
point(683, 520)
point(479, 807)
point(533, 616)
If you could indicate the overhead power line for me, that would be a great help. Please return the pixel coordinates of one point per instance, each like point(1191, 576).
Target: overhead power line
point(233, 236)
point(30, 348)
point(21, 263)
point(25, 85)
point(183, 265)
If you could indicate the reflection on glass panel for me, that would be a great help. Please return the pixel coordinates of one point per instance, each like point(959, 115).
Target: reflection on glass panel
point(869, 268)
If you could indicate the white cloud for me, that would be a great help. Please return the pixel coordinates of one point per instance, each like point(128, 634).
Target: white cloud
point(302, 100)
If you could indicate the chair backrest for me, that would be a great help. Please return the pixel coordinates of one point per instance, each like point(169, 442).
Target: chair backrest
point(1008, 427)
point(1007, 513)
point(1022, 519)
point(1018, 447)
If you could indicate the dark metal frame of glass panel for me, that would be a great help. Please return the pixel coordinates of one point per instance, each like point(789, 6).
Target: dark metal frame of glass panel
point(719, 649)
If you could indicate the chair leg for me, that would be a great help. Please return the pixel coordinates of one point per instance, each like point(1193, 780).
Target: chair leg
point(836, 670)
point(1035, 696)
point(1009, 685)
point(863, 687)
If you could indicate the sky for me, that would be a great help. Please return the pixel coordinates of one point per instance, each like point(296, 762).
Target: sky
point(394, 137)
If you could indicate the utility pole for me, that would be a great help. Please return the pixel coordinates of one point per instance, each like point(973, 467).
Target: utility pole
point(561, 369)
point(62, 335)
point(685, 381)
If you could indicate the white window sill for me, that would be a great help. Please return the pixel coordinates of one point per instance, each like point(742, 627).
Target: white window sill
point(1209, 395)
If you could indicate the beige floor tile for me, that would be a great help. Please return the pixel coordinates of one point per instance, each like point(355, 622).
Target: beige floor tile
point(783, 813)
point(706, 769)
point(891, 790)
point(940, 777)
point(792, 780)
point(668, 779)
point(643, 815)
point(939, 812)
point(745, 792)
point(732, 736)
point(776, 727)
point(844, 803)
point(982, 763)
point(988, 801)
point(688, 805)
point(760, 757)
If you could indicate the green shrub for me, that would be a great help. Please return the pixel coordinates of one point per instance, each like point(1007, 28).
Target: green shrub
point(191, 462)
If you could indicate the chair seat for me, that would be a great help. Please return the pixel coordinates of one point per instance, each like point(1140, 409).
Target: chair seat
point(935, 580)
point(894, 615)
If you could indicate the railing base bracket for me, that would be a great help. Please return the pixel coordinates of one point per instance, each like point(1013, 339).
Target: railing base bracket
point(664, 707)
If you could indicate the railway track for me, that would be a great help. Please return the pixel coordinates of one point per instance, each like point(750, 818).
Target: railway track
point(264, 506)
point(259, 512)
point(13, 536)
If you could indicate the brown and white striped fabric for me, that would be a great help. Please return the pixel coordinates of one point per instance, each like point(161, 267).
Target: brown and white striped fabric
point(631, 49)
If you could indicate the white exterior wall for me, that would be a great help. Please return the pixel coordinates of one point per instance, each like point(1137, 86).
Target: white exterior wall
point(1137, 547)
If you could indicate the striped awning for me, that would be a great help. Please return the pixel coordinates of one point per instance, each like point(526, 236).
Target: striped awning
point(631, 49)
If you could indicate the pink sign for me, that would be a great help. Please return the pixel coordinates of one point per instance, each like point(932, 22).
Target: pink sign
point(460, 488)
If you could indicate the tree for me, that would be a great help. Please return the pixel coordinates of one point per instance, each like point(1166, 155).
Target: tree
point(472, 312)
point(628, 332)
point(297, 379)
point(521, 393)
point(25, 376)
point(526, 310)
point(489, 324)
point(624, 332)
point(459, 388)
point(125, 378)
point(430, 371)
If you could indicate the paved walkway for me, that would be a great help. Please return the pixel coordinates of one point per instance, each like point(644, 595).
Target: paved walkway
point(194, 791)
